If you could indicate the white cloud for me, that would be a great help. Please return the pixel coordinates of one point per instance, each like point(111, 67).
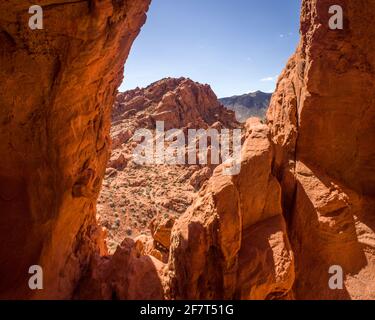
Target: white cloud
point(286, 35)
point(269, 79)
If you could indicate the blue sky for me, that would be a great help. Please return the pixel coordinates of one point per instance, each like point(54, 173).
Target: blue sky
point(236, 46)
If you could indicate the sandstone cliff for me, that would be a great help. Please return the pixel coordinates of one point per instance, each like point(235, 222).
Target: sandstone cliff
point(316, 167)
point(232, 243)
point(57, 89)
point(322, 123)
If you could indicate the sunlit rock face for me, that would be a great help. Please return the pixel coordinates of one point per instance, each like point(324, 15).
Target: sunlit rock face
point(58, 85)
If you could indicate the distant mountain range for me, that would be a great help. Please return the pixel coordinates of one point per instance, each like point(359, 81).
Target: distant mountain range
point(253, 104)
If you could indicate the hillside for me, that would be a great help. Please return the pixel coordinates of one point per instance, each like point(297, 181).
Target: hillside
point(133, 195)
point(253, 104)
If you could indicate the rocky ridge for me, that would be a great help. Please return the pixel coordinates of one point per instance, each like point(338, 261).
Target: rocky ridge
point(135, 195)
point(254, 104)
point(318, 177)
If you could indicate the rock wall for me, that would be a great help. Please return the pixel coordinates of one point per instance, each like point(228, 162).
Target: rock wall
point(133, 195)
point(57, 88)
point(304, 200)
point(322, 122)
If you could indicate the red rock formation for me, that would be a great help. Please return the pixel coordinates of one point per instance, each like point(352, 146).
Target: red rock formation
point(127, 275)
point(161, 227)
point(322, 121)
point(315, 174)
point(179, 102)
point(57, 88)
point(149, 197)
point(132, 194)
point(232, 243)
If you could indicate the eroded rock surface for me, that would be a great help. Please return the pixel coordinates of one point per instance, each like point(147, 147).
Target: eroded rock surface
point(232, 242)
point(306, 200)
point(131, 273)
point(322, 123)
point(134, 194)
point(57, 89)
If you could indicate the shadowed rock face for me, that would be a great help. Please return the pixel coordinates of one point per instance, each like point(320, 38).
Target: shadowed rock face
point(322, 123)
point(57, 88)
point(179, 102)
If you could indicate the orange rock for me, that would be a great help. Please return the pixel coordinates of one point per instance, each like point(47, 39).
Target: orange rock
point(127, 275)
point(161, 227)
point(134, 194)
point(178, 102)
point(303, 201)
point(227, 243)
point(57, 89)
point(321, 119)
point(118, 161)
point(148, 246)
point(199, 177)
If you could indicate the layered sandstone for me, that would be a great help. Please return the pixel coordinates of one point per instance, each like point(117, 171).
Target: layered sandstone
point(57, 89)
